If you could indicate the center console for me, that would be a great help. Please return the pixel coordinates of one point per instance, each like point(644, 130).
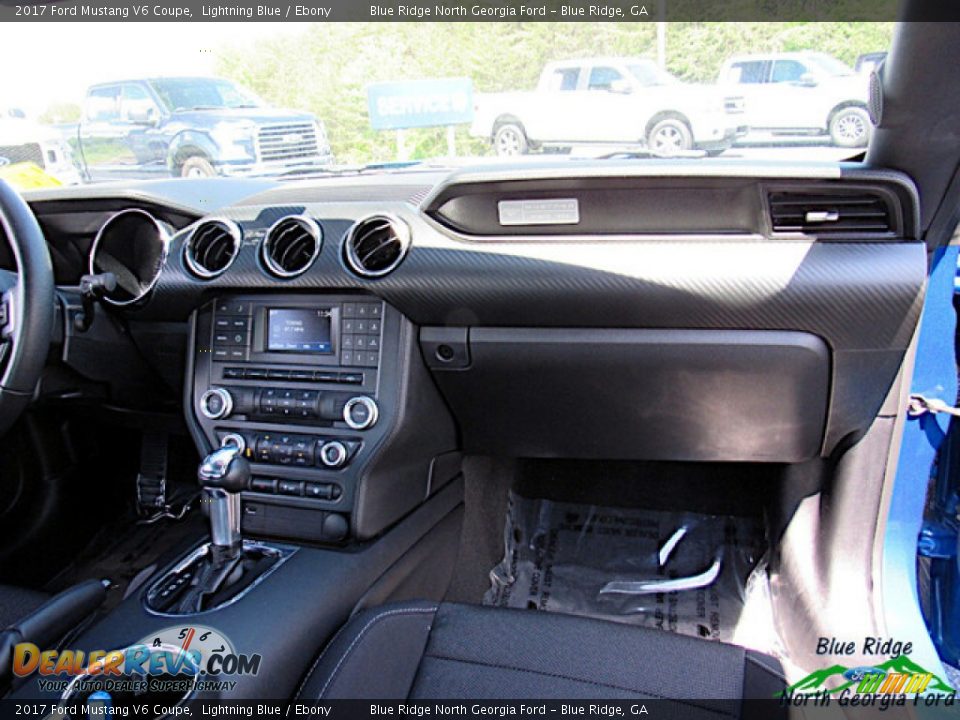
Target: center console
point(328, 400)
point(330, 479)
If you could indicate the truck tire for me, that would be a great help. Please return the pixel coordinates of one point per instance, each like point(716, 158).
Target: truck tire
point(850, 127)
point(510, 140)
point(669, 136)
point(197, 167)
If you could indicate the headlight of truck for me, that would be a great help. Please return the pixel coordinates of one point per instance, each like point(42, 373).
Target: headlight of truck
point(233, 137)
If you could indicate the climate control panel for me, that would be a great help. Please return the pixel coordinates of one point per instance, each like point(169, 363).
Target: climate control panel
point(358, 412)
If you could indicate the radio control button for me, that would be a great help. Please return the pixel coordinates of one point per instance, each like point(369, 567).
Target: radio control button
point(290, 487)
point(216, 403)
point(360, 412)
point(232, 307)
point(263, 485)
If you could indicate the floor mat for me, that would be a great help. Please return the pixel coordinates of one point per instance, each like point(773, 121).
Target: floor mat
point(681, 572)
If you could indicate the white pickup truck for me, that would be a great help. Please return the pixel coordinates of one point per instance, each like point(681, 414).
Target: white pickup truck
point(800, 93)
point(623, 102)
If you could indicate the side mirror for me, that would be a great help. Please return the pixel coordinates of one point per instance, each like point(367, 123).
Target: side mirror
point(147, 116)
point(807, 80)
point(621, 87)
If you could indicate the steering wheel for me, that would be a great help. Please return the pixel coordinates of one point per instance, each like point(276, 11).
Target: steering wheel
point(27, 309)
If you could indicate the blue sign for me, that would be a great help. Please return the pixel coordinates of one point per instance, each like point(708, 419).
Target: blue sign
point(420, 103)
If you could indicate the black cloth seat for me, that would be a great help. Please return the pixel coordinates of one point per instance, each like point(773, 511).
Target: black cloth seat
point(17, 603)
point(427, 651)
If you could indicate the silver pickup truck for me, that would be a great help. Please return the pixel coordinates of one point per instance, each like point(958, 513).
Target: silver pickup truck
point(610, 101)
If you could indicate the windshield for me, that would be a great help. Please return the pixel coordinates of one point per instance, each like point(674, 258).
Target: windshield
point(649, 74)
point(830, 65)
point(203, 94)
point(387, 96)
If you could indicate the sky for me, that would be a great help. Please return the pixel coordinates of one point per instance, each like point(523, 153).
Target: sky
point(56, 61)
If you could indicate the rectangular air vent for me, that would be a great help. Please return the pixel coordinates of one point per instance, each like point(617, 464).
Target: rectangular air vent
point(852, 212)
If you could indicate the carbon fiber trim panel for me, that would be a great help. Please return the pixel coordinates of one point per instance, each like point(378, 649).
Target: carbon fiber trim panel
point(863, 299)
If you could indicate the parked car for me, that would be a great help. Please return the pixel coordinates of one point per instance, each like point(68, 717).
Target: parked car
point(622, 101)
point(193, 127)
point(25, 141)
point(801, 93)
point(869, 62)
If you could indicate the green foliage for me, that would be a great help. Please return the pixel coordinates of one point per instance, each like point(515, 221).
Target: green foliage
point(326, 69)
point(61, 113)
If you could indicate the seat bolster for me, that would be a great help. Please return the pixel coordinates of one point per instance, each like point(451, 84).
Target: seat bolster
point(428, 651)
point(375, 655)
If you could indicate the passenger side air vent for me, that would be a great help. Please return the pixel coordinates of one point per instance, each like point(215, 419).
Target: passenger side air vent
point(212, 247)
point(291, 246)
point(852, 212)
point(376, 245)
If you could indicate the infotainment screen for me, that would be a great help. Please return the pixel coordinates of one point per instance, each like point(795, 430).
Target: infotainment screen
point(303, 330)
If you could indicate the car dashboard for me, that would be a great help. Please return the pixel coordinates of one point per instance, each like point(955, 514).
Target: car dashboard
point(357, 335)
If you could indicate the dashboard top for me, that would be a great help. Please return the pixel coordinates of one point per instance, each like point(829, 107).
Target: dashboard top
point(828, 249)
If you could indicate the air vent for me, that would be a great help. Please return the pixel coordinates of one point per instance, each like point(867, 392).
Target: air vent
point(376, 245)
point(212, 247)
point(824, 213)
point(291, 246)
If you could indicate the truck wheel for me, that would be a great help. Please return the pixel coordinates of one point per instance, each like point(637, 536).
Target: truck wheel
point(669, 136)
point(510, 140)
point(850, 127)
point(197, 167)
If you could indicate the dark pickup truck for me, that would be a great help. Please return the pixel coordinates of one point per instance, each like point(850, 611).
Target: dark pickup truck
point(192, 127)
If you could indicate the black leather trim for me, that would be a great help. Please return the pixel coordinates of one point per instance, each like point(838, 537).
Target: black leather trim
point(45, 625)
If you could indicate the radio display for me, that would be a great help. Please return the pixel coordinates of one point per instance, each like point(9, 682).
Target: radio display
point(299, 330)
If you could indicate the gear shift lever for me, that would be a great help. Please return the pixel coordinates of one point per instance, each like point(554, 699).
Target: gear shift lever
point(224, 568)
point(223, 474)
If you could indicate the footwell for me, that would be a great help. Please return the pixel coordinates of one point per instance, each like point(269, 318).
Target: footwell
point(681, 572)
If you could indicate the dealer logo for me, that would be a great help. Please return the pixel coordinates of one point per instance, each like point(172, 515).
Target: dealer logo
point(212, 650)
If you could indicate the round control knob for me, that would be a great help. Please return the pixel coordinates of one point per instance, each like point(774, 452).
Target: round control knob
point(216, 403)
point(360, 412)
point(234, 439)
point(333, 454)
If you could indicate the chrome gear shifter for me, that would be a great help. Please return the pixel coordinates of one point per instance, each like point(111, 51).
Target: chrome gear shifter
point(223, 474)
point(223, 569)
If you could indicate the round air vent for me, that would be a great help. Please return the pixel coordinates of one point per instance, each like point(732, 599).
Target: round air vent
point(212, 247)
point(376, 245)
point(291, 245)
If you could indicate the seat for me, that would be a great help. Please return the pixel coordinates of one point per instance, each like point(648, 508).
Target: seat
point(31, 616)
point(424, 650)
point(17, 602)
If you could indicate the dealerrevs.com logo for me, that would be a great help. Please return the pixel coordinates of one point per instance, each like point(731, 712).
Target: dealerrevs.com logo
point(185, 653)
